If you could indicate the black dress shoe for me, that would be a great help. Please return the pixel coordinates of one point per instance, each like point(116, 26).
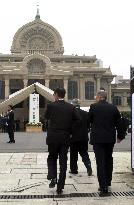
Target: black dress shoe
point(59, 191)
point(109, 188)
point(9, 142)
point(12, 141)
point(53, 183)
point(89, 171)
point(104, 192)
point(73, 172)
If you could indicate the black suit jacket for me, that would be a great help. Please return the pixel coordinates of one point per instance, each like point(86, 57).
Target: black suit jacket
point(10, 120)
point(103, 119)
point(80, 132)
point(60, 116)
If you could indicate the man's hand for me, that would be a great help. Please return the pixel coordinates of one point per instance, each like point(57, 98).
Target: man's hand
point(118, 140)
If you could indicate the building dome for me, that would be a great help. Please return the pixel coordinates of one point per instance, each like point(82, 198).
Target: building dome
point(37, 37)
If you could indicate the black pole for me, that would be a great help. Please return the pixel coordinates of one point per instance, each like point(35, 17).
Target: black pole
point(132, 116)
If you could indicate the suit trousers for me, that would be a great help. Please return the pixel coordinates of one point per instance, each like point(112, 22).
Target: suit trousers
point(57, 150)
point(80, 147)
point(11, 134)
point(104, 161)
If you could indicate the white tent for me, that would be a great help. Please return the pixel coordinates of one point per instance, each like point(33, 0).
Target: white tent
point(85, 108)
point(44, 91)
point(22, 94)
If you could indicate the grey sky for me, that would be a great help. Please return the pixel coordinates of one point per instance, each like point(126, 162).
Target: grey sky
point(92, 27)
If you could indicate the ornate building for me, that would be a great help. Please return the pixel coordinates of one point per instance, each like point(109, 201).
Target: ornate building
point(37, 55)
point(121, 94)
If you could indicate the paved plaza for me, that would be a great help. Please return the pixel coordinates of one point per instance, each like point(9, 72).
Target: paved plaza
point(23, 175)
point(36, 142)
point(23, 181)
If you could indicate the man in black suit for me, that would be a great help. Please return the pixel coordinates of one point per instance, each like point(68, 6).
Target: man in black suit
point(10, 124)
point(103, 118)
point(60, 116)
point(79, 142)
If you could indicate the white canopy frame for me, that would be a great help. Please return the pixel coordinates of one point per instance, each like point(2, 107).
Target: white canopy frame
point(22, 94)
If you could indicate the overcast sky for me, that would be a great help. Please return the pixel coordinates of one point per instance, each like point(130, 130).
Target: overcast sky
point(104, 28)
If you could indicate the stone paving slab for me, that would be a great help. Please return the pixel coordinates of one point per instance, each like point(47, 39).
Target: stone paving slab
point(38, 176)
point(27, 170)
point(26, 174)
point(7, 177)
point(28, 202)
point(98, 201)
point(8, 185)
point(70, 202)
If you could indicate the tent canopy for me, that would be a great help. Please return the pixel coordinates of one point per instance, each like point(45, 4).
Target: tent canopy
point(22, 94)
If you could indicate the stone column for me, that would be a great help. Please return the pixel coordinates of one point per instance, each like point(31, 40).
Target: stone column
point(109, 91)
point(81, 88)
point(97, 82)
point(125, 99)
point(47, 82)
point(66, 88)
point(6, 88)
point(25, 81)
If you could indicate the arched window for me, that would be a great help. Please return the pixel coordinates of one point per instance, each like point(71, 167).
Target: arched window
point(89, 90)
point(36, 66)
point(117, 100)
point(72, 90)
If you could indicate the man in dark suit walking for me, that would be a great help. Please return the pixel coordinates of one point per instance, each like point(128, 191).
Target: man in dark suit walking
point(79, 142)
point(103, 118)
point(60, 116)
point(10, 124)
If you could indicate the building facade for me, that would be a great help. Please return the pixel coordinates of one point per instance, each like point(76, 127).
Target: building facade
point(37, 55)
point(121, 96)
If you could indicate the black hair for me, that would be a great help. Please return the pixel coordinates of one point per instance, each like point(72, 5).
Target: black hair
point(101, 88)
point(60, 92)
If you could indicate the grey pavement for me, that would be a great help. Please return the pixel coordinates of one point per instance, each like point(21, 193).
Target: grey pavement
point(36, 142)
point(24, 175)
